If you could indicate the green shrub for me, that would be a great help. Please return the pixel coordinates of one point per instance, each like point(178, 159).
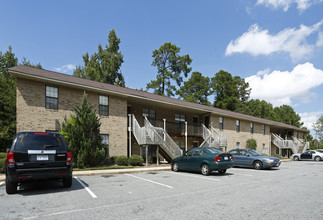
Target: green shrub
point(277, 155)
point(122, 160)
point(136, 160)
point(108, 161)
point(251, 144)
point(3, 157)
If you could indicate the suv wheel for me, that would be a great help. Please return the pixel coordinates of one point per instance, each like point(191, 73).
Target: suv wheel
point(11, 188)
point(67, 181)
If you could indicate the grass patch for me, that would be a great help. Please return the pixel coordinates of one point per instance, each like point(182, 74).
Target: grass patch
point(103, 168)
point(3, 155)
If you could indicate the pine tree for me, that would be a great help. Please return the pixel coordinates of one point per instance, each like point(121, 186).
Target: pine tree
point(103, 66)
point(170, 66)
point(82, 132)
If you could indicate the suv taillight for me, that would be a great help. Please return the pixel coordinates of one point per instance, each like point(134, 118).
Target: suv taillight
point(68, 157)
point(217, 158)
point(10, 158)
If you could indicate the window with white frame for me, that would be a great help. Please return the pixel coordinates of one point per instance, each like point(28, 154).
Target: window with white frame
point(104, 105)
point(51, 97)
point(105, 141)
point(264, 150)
point(263, 129)
point(237, 145)
point(251, 127)
point(180, 120)
point(238, 126)
point(221, 123)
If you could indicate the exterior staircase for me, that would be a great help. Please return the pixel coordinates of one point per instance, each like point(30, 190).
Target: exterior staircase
point(295, 145)
point(212, 138)
point(151, 135)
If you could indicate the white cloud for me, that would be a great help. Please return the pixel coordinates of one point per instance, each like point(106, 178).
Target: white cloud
point(260, 42)
point(280, 87)
point(319, 42)
point(68, 68)
point(302, 5)
point(263, 72)
point(309, 118)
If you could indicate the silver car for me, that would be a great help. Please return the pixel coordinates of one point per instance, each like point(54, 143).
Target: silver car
point(316, 155)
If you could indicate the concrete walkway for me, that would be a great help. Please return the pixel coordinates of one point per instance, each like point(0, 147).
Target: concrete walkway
point(111, 171)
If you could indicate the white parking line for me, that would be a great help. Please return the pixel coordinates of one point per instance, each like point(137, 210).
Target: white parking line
point(149, 181)
point(240, 174)
point(191, 175)
point(1, 183)
point(87, 188)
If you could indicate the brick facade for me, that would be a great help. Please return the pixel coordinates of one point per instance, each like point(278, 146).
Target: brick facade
point(33, 116)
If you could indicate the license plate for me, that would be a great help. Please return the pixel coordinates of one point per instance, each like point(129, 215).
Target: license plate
point(42, 157)
point(226, 158)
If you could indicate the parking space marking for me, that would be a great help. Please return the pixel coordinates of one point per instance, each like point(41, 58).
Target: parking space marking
point(87, 188)
point(241, 174)
point(149, 181)
point(190, 175)
point(1, 183)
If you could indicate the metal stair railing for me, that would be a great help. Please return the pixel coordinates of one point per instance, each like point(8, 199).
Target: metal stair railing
point(220, 138)
point(212, 138)
point(138, 132)
point(148, 134)
point(284, 144)
point(160, 137)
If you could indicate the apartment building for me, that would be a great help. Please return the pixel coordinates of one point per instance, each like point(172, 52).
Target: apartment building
point(136, 122)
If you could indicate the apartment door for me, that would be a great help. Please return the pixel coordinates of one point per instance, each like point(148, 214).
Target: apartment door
point(207, 121)
point(196, 125)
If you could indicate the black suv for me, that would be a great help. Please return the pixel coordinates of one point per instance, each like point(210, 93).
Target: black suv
point(36, 156)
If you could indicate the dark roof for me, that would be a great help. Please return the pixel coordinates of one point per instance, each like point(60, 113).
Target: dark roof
point(42, 74)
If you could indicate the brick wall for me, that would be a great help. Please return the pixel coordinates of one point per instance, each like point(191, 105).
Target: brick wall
point(33, 116)
point(229, 128)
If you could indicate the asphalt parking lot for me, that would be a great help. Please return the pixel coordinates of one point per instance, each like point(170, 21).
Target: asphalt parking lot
point(293, 191)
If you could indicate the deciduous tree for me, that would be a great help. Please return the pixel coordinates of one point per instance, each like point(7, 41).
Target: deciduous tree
point(7, 99)
point(287, 115)
point(230, 92)
point(318, 128)
point(197, 89)
point(258, 108)
point(170, 67)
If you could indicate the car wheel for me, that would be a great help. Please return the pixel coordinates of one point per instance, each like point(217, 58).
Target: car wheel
point(67, 181)
point(296, 158)
point(222, 171)
point(257, 165)
point(11, 188)
point(205, 169)
point(175, 167)
point(317, 158)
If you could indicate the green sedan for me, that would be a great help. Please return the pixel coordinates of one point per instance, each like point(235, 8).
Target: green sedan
point(204, 160)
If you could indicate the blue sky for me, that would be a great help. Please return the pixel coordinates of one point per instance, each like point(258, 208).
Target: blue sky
point(276, 45)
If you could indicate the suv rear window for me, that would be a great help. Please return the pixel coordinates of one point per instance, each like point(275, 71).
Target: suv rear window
point(40, 141)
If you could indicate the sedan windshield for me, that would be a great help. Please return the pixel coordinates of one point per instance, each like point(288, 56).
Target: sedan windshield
point(254, 153)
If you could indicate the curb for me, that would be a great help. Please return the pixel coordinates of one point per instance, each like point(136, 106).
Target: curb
point(110, 171)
